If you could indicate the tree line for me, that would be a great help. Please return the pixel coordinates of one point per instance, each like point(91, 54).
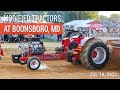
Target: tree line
point(113, 17)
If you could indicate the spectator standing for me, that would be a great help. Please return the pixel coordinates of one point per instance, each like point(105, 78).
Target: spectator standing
point(43, 36)
point(40, 36)
point(51, 37)
point(59, 37)
point(1, 37)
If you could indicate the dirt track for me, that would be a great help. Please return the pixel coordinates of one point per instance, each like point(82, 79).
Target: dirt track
point(56, 70)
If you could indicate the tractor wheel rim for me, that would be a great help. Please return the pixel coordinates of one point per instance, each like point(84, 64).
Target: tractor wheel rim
point(99, 55)
point(34, 64)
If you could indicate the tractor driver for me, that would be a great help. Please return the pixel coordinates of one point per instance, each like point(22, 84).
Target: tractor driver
point(79, 34)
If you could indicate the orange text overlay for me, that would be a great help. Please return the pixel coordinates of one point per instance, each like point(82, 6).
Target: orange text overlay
point(30, 28)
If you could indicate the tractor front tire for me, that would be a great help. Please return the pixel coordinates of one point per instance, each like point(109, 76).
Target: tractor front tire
point(95, 54)
point(16, 57)
point(33, 63)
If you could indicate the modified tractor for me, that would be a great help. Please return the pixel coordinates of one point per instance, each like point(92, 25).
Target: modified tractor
point(91, 52)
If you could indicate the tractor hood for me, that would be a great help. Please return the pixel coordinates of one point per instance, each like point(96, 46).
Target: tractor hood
point(83, 40)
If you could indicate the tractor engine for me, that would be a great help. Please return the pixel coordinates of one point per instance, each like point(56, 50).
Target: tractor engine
point(37, 49)
point(36, 46)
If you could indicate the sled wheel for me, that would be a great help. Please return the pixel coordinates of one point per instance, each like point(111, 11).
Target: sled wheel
point(95, 54)
point(33, 63)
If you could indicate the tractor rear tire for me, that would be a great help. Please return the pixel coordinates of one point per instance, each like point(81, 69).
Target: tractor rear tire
point(33, 63)
point(92, 61)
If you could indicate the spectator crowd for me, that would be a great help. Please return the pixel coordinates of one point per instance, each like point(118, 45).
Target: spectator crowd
point(113, 27)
